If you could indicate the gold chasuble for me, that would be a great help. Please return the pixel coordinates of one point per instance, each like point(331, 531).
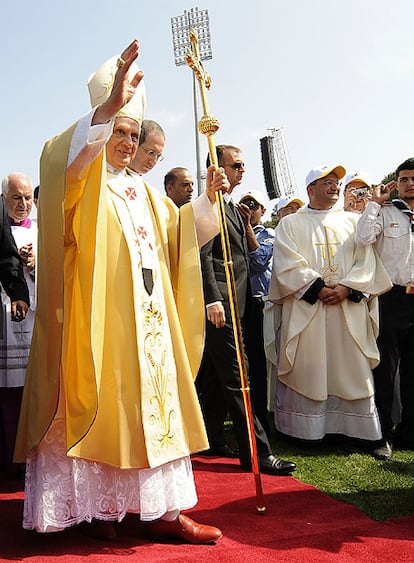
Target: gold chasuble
point(120, 358)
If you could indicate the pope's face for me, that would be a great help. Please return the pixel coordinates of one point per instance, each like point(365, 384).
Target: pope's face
point(123, 143)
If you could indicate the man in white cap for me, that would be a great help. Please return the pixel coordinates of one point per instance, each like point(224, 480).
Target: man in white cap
point(357, 192)
point(328, 326)
point(252, 207)
point(288, 205)
point(110, 414)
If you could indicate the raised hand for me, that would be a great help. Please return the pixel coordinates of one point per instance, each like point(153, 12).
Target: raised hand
point(124, 85)
point(381, 193)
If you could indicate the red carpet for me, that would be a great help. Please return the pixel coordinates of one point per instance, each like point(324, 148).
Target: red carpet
point(300, 524)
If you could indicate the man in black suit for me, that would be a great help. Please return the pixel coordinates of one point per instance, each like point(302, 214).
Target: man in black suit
point(218, 380)
point(11, 269)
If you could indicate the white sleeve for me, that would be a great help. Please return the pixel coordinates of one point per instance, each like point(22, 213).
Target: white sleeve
point(369, 225)
point(87, 134)
point(206, 219)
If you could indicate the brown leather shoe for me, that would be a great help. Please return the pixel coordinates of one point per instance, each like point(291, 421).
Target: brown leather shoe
point(183, 528)
point(98, 529)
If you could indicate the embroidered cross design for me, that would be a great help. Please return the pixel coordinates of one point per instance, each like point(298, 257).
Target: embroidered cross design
point(142, 232)
point(330, 271)
point(131, 193)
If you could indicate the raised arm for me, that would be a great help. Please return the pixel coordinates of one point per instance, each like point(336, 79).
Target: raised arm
point(88, 145)
point(124, 86)
point(370, 223)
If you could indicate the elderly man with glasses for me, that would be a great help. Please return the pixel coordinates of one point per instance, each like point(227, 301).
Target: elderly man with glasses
point(110, 415)
point(326, 285)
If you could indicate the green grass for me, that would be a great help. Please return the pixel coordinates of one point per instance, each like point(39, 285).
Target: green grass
point(381, 489)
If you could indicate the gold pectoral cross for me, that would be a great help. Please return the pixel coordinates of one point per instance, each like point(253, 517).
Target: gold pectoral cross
point(329, 271)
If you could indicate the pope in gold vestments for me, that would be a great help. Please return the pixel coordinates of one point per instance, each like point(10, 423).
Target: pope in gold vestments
point(112, 360)
point(110, 414)
point(78, 307)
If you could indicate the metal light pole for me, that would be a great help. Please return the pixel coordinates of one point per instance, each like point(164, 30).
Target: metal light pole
point(180, 27)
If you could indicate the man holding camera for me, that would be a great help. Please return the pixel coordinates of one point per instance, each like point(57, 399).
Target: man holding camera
point(252, 207)
point(357, 192)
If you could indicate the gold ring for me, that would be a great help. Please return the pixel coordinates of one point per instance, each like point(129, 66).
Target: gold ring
point(120, 62)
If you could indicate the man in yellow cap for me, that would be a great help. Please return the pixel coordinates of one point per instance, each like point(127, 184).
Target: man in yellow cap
point(357, 192)
point(110, 415)
point(326, 285)
point(288, 205)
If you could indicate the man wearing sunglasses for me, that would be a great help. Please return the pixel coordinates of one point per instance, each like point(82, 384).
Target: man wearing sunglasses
point(218, 380)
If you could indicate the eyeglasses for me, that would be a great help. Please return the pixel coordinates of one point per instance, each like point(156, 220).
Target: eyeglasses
point(251, 204)
point(235, 165)
point(122, 136)
point(152, 154)
point(331, 183)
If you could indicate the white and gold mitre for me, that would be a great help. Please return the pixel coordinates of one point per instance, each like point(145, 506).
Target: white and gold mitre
point(100, 85)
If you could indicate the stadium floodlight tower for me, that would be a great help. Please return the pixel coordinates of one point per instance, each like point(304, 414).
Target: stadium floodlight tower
point(180, 26)
point(279, 178)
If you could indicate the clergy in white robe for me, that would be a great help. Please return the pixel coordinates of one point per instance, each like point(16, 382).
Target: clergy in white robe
point(15, 338)
point(110, 413)
point(326, 285)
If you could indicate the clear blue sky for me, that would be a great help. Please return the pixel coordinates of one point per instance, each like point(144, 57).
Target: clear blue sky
point(338, 75)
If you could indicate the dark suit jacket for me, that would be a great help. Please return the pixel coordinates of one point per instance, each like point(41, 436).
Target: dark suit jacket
point(213, 269)
point(11, 265)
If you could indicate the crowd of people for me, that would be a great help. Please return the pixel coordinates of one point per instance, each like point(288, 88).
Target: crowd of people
point(120, 296)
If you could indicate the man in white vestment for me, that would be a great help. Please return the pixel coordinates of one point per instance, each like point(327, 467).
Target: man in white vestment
point(110, 414)
point(327, 287)
point(15, 338)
